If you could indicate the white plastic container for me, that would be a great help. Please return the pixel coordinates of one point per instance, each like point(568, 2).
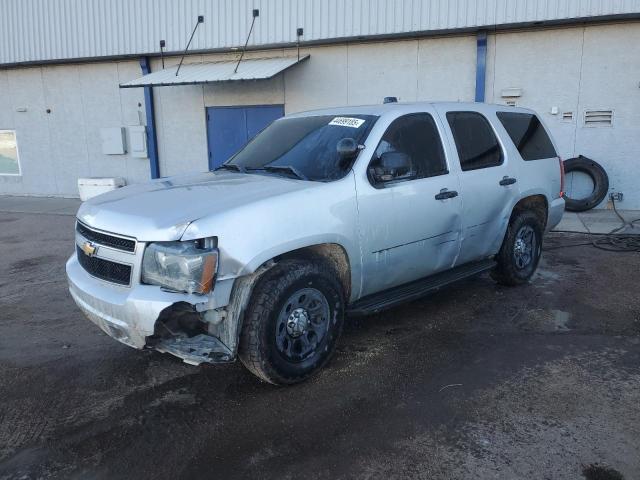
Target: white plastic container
point(92, 186)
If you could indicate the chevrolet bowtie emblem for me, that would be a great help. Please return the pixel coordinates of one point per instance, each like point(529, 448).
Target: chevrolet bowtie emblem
point(89, 249)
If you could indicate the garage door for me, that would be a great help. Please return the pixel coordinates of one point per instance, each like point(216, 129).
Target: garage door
point(230, 128)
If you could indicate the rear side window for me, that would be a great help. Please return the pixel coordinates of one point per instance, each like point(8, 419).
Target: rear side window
point(476, 143)
point(528, 135)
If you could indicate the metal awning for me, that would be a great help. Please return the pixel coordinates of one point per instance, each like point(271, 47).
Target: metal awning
point(212, 72)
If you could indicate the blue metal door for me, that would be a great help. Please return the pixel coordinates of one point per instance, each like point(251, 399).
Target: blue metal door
point(230, 128)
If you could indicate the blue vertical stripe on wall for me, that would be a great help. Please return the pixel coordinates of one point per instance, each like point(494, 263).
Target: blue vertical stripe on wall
point(152, 138)
point(481, 65)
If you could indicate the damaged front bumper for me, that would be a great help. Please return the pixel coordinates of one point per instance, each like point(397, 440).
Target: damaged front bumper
point(145, 316)
point(195, 350)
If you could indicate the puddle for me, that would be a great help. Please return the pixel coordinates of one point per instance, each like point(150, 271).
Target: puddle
point(600, 472)
point(541, 320)
point(545, 275)
point(560, 320)
point(174, 398)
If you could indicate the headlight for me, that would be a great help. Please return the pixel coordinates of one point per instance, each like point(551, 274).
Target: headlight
point(182, 266)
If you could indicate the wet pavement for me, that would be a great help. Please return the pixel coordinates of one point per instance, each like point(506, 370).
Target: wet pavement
point(479, 381)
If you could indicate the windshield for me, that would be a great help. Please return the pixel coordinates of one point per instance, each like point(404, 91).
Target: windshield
point(304, 147)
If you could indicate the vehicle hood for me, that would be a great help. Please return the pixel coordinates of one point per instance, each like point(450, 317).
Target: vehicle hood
point(162, 209)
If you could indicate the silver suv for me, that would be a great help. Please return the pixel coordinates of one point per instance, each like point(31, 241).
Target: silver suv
point(325, 213)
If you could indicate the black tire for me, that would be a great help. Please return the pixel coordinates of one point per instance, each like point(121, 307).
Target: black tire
point(598, 176)
point(263, 346)
point(509, 271)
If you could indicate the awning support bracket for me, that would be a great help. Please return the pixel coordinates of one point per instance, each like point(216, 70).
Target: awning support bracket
point(200, 20)
point(299, 33)
point(256, 13)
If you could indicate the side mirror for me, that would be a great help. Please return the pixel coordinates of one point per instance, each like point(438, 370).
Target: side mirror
point(393, 166)
point(347, 148)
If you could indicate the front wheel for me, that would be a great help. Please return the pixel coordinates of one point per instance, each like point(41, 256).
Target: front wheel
point(292, 322)
point(521, 249)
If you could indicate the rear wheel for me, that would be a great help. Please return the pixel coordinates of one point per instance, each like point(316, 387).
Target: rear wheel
point(521, 249)
point(292, 322)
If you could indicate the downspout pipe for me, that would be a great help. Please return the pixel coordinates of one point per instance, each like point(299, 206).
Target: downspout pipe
point(152, 138)
point(481, 65)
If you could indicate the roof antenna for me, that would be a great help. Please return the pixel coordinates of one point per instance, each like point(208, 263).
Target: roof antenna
point(256, 13)
point(299, 33)
point(200, 20)
point(162, 45)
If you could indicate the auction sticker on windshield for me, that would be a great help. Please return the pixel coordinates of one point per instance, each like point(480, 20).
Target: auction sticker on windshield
point(347, 122)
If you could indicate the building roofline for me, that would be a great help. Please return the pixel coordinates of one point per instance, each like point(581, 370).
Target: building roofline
point(510, 27)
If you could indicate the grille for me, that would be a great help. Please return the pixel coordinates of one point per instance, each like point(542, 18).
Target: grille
point(106, 240)
point(104, 269)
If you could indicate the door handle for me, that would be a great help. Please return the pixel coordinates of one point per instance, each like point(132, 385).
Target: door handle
point(444, 194)
point(507, 181)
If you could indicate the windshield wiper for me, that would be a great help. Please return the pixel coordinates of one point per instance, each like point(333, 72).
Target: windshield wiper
point(231, 166)
point(286, 168)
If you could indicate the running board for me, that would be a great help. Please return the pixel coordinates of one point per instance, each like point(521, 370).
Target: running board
point(419, 288)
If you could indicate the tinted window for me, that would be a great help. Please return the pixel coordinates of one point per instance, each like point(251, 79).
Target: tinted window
point(476, 143)
point(418, 137)
point(528, 135)
point(308, 144)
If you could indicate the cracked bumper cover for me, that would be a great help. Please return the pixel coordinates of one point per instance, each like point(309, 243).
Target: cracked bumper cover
point(129, 315)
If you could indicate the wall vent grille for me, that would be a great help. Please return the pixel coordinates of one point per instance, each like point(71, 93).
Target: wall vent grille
point(598, 118)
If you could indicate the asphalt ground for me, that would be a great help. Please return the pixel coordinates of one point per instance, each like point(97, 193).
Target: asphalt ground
point(540, 381)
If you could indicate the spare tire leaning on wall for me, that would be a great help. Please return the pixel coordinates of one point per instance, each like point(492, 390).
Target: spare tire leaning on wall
point(598, 176)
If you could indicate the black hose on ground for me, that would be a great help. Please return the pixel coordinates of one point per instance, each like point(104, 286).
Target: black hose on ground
point(604, 241)
point(612, 241)
point(625, 223)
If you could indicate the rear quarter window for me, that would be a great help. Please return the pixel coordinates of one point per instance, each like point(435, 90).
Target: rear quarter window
point(475, 141)
point(528, 135)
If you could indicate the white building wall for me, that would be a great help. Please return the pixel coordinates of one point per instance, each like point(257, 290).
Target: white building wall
point(447, 68)
point(548, 76)
point(322, 82)
point(611, 80)
point(578, 69)
point(571, 68)
point(412, 70)
point(25, 89)
point(56, 148)
point(380, 70)
point(181, 129)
